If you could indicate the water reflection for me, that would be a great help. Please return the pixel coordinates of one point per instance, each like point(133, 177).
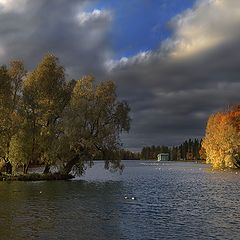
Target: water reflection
point(62, 210)
point(173, 201)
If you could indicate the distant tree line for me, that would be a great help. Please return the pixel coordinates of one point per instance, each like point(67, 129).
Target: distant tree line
point(151, 152)
point(122, 154)
point(188, 150)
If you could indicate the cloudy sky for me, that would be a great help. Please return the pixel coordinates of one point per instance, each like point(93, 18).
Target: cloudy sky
point(174, 61)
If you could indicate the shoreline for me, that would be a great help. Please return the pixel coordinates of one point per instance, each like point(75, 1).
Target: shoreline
point(36, 177)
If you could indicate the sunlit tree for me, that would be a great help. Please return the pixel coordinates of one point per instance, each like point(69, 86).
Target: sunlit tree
point(10, 100)
point(5, 112)
point(92, 123)
point(44, 98)
point(48, 120)
point(222, 140)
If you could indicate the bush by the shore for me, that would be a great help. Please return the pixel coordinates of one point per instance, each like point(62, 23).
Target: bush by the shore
point(35, 177)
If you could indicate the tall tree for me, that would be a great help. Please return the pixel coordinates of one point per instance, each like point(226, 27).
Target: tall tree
point(222, 139)
point(5, 114)
point(45, 94)
point(54, 121)
point(92, 123)
point(11, 84)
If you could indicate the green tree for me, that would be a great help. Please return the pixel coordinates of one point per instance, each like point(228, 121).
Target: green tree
point(20, 150)
point(45, 95)
point(92, 123)
point(5, 114)
point(10, 93)
point(46, 119)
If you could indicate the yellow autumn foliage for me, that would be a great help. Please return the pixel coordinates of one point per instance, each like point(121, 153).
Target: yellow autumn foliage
point(222, 139)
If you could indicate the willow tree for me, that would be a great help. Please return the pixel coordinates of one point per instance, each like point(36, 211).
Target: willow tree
point(62, 122)
point(10, 90)
point(5, 112)
point(92, 123)
point(222, 140)
point(44, 98)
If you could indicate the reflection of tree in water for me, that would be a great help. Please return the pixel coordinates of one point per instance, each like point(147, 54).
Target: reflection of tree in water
point(26, 210)
point(56, 210)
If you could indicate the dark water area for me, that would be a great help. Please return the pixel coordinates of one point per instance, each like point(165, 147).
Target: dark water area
point(173, 201)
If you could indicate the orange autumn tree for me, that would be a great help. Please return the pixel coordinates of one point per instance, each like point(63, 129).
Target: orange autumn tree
point(222, 139)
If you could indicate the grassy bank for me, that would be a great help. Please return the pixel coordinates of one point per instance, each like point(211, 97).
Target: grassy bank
point(35, 177)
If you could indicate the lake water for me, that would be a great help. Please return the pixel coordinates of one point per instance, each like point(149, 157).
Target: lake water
point(173, 201)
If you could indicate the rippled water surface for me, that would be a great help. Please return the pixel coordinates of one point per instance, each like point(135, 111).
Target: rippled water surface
point(173, 201)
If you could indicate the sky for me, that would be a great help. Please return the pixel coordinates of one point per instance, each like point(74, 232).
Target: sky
point(175, 61)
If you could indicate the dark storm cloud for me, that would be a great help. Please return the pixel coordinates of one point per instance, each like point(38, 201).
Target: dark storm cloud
point(55, 26)
point(172, 103)
point(172, 91)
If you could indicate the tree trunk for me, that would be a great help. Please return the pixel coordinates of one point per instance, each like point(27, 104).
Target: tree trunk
point(26, 167)
point(68, 167)
point(8, 167)
point(237, 162)
point(8, 164)
point(46, 169)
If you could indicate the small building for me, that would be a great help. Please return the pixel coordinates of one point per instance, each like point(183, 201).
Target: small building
point(163, 157)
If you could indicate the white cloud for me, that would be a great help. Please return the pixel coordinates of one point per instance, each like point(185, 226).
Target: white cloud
point(95, 15)
point(208, 25)
point(139, 58)
point(161, 91)
point(194, 73)
point(12, 5)
point(51, 26)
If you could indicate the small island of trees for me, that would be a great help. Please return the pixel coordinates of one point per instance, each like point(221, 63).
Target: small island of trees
point(48, 120)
